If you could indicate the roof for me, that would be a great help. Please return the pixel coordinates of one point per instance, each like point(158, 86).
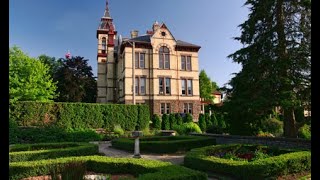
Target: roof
point(217, 92)
point(144, 38)
point(183, 43)
point(147, 39)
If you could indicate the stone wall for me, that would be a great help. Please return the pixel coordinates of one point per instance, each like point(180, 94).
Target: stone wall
point(269, 141)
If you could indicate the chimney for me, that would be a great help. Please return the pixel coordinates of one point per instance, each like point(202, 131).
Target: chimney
point(155, 26)
point(134, 33)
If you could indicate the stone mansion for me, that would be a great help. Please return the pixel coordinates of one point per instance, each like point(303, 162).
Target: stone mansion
point(154, 69)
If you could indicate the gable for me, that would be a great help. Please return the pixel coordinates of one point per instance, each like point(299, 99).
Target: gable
point(163, 33)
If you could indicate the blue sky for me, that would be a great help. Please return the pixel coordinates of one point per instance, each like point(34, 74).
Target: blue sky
point(55, 26)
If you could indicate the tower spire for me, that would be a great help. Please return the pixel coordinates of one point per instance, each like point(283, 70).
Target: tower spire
point(106, 12)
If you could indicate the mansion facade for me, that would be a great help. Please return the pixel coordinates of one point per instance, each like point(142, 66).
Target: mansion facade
point(154, 69)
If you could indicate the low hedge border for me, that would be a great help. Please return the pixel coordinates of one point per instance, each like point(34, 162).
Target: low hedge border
point(291, 162)
point(30, 152)
point(141, 168)
point(162, 144)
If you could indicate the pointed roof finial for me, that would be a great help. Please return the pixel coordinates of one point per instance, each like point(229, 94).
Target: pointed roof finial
point(106, 12)
point(107, 8)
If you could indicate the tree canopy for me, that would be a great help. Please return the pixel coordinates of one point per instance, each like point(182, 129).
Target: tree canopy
point(29, 78)
point(75, 81)
point(276, 65)
point(205, 86)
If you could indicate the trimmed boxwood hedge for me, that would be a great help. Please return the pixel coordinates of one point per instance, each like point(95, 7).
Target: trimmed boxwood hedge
point(163, 144)
point(30, 152)
point(144, 169)
point(291, 162)
point(80, 115)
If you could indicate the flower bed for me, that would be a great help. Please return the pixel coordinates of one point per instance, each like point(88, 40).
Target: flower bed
point(248, 161)
point(29, 152)
point(140, 168)
point(163, 144)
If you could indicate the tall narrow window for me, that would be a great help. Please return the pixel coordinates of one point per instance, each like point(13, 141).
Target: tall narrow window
point(183, 87)
point(188, 63)
point(139, 60)
point(162, 108)
point(189, 84)
point(161, 86)
point(103, 43)
point(142, 85)
point(185, 107)
point(136, 60)
point(190, 108)
point(164, 85)
point(168, 111)
point(183, 62)
point(164, 58)
point(136, 85)
point(186, 87)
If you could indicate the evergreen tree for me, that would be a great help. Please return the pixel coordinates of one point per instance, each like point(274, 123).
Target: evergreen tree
point(165, 122)
point(173, 121)
point(276, 65)
point(188, 118)
point(156, 122)
point(205, 86)
point(179, 119)
point(202, 123)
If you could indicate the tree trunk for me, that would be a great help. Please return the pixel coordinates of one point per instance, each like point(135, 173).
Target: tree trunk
point(289, 123)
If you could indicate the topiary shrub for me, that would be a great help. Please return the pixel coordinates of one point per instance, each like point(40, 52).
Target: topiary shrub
point(188, 118)
point(179, 119)
point(156, 121)
point(172, 120)
point(202, 123)
point(165, 122)
point(305, 132)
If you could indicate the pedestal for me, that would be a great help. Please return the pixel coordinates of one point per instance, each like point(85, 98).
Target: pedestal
point(136, 148)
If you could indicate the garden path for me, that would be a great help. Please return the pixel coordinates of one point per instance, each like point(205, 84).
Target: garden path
point(105, 148)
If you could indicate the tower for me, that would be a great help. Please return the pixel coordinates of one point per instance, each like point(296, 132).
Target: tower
point(105, 58)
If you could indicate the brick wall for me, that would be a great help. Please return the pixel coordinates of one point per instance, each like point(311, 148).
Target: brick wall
point(269, 141)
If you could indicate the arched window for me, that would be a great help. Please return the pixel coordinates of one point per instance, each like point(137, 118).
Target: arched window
point(164, 58)
point(104, 43)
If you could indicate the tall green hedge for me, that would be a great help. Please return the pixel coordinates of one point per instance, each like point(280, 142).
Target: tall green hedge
point(80, 115)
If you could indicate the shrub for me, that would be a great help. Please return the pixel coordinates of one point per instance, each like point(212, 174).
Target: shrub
point(208, 120)
point(118, 130)
point(172, 120)
point(188, 118)
point(141, 168)
point(179, 119)
point(165, 122)
point(273, 126)
point(305, 132)
point(290, 162)
point(214, 120)
point(156, 121)
point(187, 128)
point(161, 144)
point(202, 123)
point(80, 115)
point(74, 170)
point(13, 131)
point(30, 152)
